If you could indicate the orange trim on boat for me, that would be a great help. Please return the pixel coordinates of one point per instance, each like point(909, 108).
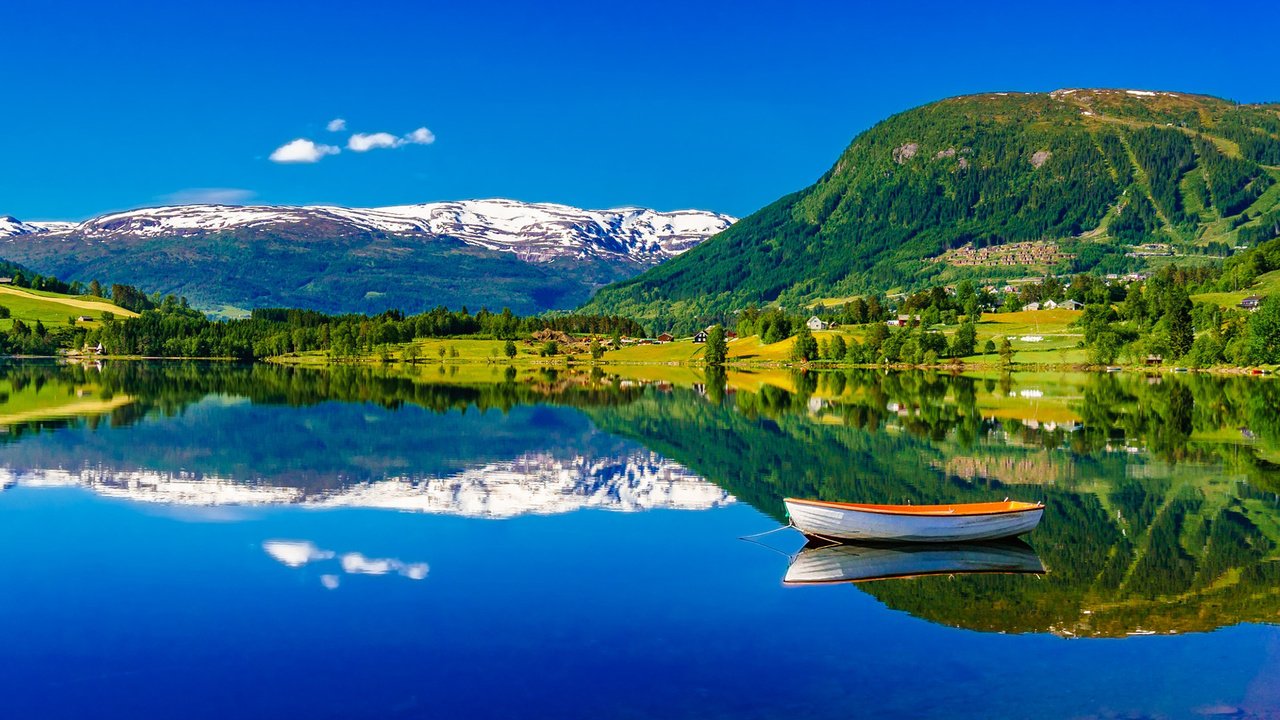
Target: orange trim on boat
point(955, 509)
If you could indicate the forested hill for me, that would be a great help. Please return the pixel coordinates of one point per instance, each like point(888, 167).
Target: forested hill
point(1076, 178)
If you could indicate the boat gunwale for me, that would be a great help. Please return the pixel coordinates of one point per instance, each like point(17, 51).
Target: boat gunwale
point(922, 510)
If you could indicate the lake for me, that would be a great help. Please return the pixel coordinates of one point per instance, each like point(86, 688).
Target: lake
point(211, 540)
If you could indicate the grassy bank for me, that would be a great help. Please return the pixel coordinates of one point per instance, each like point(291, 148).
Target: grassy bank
point(53, 309)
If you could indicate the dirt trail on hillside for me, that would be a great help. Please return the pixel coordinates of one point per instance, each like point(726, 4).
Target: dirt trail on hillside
point(97, 305)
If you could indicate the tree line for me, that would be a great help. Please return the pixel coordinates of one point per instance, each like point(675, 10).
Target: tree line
point(173, 329)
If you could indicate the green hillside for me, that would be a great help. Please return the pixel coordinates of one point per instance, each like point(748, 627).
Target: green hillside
point(53, 309)
point(941, 192)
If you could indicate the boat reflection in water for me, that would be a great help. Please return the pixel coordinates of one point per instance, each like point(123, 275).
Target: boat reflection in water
point(829, 564)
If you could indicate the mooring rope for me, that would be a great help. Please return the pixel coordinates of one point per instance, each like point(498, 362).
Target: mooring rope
point(768, 532)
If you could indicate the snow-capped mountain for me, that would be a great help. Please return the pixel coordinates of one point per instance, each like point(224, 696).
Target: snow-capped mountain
point(11, 226)
point(535, 232)
point(531, 484)
point(530, 257)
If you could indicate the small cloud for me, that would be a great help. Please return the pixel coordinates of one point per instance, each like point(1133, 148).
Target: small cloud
point(363, 142)
point(414, 571)
point(302, 151)
point(421, 136)
point(330, 582)
point(208, 196)
point(336, 125)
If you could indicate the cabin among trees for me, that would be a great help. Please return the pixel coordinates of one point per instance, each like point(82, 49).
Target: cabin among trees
point(817, 323)
point(1250, 303)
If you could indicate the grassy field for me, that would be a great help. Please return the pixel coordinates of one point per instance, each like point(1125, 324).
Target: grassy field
point(1059, 344)
point(1266, 284)
point(51, 308)
point(679, 351)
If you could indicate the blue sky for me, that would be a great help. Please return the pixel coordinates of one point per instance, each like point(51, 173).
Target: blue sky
point(717, 105)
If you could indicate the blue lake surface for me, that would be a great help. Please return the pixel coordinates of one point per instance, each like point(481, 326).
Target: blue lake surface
point(269, 544)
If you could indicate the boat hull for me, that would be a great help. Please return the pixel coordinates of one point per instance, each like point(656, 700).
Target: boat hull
point(837, 522)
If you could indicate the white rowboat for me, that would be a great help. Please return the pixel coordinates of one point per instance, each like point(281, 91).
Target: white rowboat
point(958, 522)
point(860, 563)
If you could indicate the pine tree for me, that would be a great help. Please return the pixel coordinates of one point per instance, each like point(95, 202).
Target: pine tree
point(1181, 330)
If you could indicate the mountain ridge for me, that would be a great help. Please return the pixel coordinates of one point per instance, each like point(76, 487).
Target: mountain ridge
point(529, 256)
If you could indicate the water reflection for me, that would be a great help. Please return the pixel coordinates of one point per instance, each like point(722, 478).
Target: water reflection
point(853, 563)
point(529, 484)
point(1162, 512)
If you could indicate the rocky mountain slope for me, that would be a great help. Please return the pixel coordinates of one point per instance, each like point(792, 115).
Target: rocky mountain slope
point(916, 199)
point(529, 256)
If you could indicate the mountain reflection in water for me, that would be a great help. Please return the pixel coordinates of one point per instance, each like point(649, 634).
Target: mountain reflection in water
point(1160, 491)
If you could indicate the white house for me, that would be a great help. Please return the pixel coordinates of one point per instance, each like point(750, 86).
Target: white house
point(1072, 305)
point(816, 323)
point(1031, 306)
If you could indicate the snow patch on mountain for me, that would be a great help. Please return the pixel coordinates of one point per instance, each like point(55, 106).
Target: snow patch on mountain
point(11, 226)
point(535, 232)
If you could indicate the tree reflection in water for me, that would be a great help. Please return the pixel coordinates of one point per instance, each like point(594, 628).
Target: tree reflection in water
point(1161, 490)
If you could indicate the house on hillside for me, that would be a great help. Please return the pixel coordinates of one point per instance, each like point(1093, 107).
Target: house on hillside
point(83, 318)
point(1250, 303)
point(816, 323)
point(700, 336)
point(6, 281)
point(1071, 305)
point(1048, 305)
point(665, 338)
point(1031, 306)
point(730, 335)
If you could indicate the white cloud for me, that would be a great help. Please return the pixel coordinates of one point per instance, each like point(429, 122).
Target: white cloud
point(302, 151)
point(208, 196)
point(421, 136)
point(363, 142)
point(336, 125)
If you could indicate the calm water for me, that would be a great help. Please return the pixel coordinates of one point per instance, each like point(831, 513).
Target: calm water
point(213, 541)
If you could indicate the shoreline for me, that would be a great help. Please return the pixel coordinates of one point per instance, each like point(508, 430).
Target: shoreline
point(575, 362)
